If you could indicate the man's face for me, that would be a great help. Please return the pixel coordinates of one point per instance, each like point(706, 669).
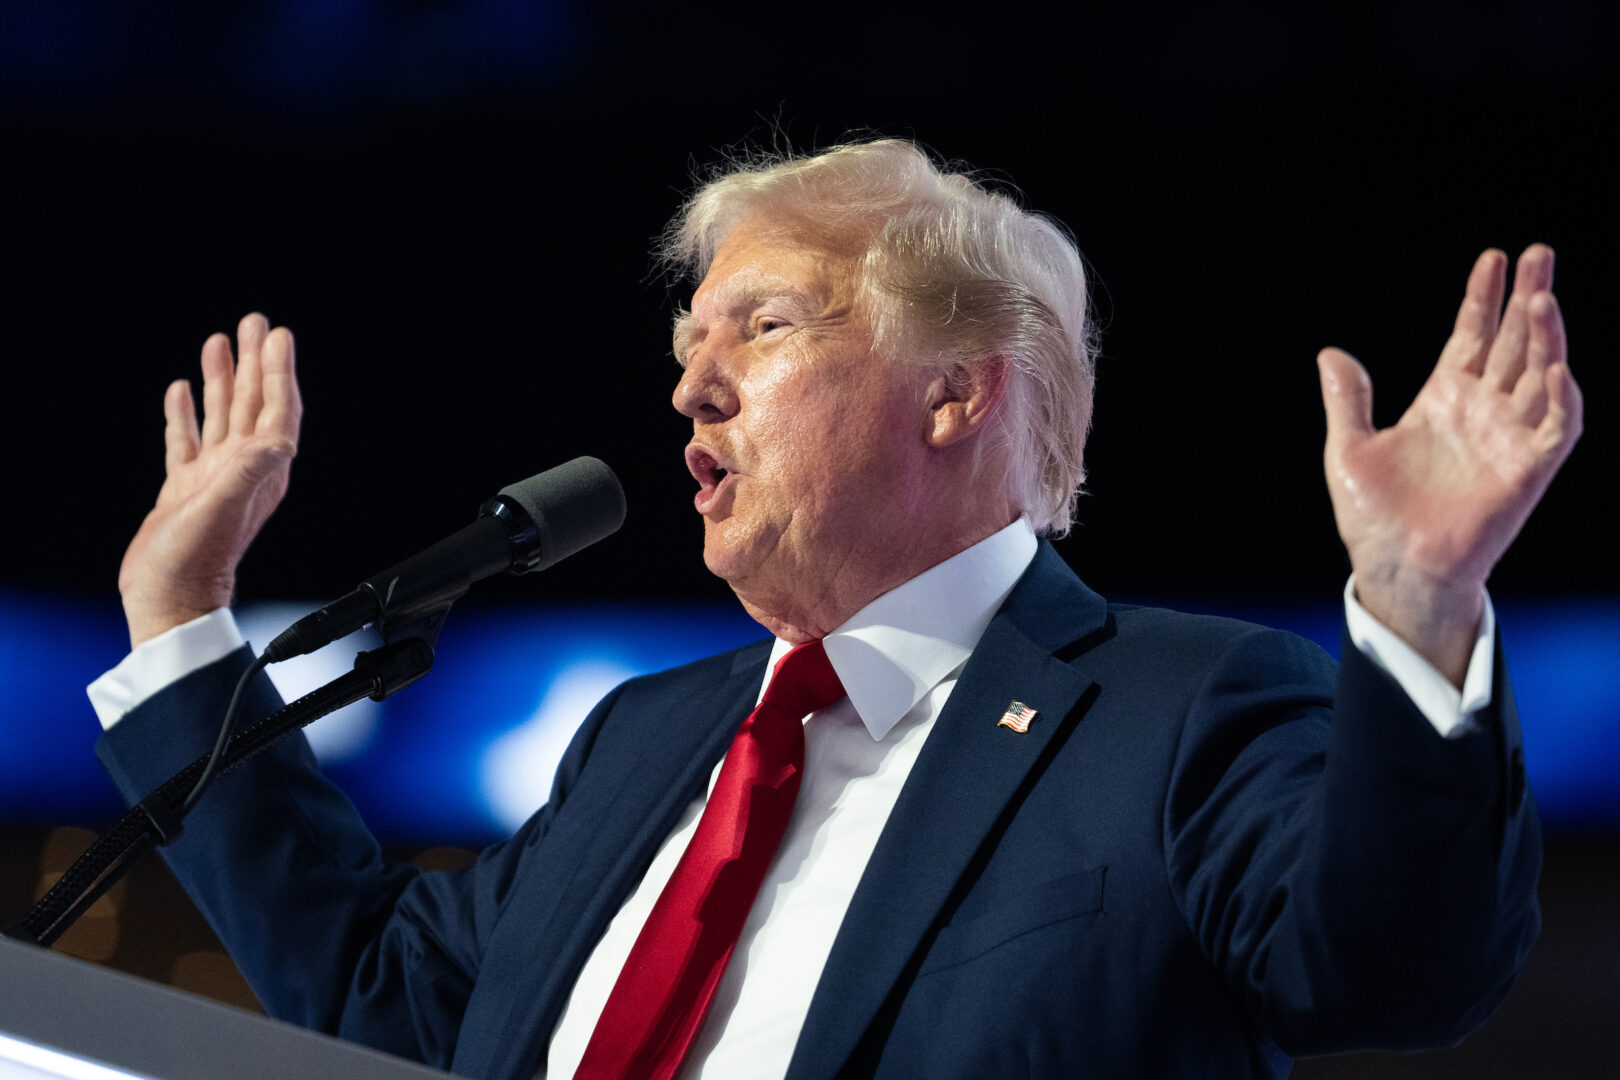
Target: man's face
point(805, 444)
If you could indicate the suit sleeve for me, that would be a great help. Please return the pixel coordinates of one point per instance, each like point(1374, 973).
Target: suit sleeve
point(277, 858)
point(1358, 879)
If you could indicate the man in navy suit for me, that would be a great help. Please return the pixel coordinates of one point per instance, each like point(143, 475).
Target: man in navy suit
point(1041, 834)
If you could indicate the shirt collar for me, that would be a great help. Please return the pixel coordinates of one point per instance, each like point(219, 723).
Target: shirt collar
point(896, 649)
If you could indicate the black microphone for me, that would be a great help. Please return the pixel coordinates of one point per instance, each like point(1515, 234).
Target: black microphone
point(527, 526)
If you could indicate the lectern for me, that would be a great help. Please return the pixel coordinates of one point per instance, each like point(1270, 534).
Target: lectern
point(64, 1018)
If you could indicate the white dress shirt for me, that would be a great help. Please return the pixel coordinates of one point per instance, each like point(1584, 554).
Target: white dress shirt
point(898, 658)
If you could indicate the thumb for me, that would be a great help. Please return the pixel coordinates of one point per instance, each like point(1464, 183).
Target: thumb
point(1346, 396)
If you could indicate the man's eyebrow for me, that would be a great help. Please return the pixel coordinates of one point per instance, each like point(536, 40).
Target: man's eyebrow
point(735, 297)
point(683, 332)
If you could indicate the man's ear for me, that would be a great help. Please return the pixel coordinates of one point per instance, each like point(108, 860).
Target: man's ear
point(962, 400)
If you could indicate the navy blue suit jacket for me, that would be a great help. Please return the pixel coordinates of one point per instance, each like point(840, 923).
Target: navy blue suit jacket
point(1212, 850)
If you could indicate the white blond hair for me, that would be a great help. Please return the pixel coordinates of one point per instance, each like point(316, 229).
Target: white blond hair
point(958, 276)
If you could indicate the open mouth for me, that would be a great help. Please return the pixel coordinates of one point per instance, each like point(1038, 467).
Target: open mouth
point(707, 471)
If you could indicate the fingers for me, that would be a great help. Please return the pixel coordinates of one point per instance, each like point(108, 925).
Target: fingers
point(1547, 343)
point(218, 381)
point(1479, 314)
point(283, 410)
point(1535, 271)
point(1508, 354)
point(1558, 430)
point(249, 397)
point(181, 440)
point(1346, 397)
point(1546, 348)
point(256, 394)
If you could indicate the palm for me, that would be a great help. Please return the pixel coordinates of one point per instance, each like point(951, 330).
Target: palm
point(222, 481)
point(1433, 502)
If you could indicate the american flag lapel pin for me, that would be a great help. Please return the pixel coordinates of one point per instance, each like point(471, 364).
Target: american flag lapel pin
point(1017, 717)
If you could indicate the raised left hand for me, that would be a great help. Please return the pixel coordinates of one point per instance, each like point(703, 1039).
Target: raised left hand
point(1427, 507)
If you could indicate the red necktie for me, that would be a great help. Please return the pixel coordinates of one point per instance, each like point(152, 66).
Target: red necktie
point(662, 996)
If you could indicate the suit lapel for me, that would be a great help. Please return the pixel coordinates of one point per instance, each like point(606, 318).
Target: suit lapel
point(969, 771)
point(598, 847)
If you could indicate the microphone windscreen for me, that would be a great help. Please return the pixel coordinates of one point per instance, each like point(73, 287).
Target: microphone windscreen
point(573, 506)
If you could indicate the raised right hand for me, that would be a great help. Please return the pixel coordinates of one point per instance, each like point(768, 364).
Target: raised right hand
point(222, 482)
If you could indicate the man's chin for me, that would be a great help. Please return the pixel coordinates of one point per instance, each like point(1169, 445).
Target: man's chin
point(731, 555)
point(721, 558)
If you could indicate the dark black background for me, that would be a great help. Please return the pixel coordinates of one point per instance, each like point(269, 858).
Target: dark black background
point(454, 213)
point(452, 204)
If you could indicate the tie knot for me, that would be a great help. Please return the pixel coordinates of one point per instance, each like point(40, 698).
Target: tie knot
point(804, 681)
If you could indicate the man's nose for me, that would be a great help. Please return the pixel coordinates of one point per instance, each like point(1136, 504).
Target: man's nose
point(705, 392)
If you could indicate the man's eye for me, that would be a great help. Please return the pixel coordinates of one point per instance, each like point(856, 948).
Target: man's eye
point(767, 325)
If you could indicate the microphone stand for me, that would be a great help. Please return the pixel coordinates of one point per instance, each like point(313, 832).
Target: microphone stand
point(526, 526)
point(156, 819)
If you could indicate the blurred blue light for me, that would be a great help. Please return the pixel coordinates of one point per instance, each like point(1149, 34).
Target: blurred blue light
point(1564, 661)
point(521, 680)
point(50, 649)
point(467, 753)
point(321, 61)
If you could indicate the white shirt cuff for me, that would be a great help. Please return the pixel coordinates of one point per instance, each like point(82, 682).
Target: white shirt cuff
point(153, 665)
point(1450, 711)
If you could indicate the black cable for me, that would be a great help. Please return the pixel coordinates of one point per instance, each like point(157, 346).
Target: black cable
point(223, 740)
